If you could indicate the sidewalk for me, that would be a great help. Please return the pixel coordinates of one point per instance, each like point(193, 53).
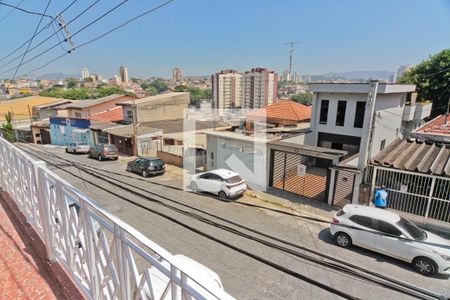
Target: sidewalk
point(25, 273)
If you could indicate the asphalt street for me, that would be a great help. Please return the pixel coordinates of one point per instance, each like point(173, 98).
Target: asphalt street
point(242, 276)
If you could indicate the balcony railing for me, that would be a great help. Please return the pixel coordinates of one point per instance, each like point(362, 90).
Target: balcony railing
point(417, 111)
point(105, 257)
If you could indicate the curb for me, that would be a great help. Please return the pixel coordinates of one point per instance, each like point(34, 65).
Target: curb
point(58, 275)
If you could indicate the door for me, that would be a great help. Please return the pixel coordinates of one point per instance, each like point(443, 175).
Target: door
point(390, 244)
point(209, 183)
point(364, 238)
point(135, 165)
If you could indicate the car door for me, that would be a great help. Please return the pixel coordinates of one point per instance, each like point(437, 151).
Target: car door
point(203, 182)
point(388, 241)
point(366, 236)
point(215, 183)
point(135, 165)
point(143, 164)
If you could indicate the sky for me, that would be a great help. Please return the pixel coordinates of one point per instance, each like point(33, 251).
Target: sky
point(205, 36)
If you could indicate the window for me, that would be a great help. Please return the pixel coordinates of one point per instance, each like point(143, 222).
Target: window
point(359, 114)
point(340, 115)
point(363, 221)
point(129, 114)
point(388, 228)
point(212, 155)
point(324, 111)
point(382, 144)
point(412, 229)
point(337, 146)
point(77, 115)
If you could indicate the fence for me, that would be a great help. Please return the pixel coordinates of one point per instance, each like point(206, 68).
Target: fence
point(105, 257)
point(427, 196)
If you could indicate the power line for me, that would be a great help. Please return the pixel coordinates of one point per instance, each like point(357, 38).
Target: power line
point(14, 7)
point(56, 45)
point(11, 11)
point(31, 39)
point(42, 29)
point(96, 38)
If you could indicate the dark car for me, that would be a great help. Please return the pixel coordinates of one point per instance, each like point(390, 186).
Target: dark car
point(146, 166)
point(104, 151)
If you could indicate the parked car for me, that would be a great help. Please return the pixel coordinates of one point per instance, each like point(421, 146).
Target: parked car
point(104, 151)
point(147, 166)
point(78, 148)
point(210, 281)
point(221, 182)
point(388, 233)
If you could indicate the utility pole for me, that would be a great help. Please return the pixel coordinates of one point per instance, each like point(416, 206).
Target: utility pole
point(291, 51)
point(135, 152)
point(448, 111)
point(63, 24)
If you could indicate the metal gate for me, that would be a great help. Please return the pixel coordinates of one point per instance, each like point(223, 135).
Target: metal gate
point(299, 174)
point(343, 187)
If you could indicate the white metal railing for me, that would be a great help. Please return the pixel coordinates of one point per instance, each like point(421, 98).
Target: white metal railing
point(419, 194)
point(105, 257)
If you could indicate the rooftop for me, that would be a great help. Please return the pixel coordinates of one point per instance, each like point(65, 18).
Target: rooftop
point(361, 88)
point(127, 130)
point(153, 98)
point(282, 112)
point(92, 102)
point(112, 115)
point(413, 155)
point(173, 126)
point(439, 125)
point(20, 106)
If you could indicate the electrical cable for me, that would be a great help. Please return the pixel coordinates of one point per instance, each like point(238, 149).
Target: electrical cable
point(24, 10)
point(11, 11)
point(245, 227)
point(31, 40)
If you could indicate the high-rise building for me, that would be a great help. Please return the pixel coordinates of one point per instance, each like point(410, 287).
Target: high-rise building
point(260, 88)
point(177, 74)
point(123, 71)
point(227, 89)
point(84, 73)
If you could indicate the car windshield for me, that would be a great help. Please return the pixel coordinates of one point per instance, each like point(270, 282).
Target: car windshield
point(413, 230)
point(234, 179)
point(156, 162)
point(110, 147)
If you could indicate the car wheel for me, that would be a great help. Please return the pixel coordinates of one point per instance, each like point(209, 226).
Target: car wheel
point(144, 173)
point(424, 265)
point(222, 195)
point(342, 240)
point(67, 150)
point(194, 186)
point(115, 158)
point(100, 158)
point(129, 168)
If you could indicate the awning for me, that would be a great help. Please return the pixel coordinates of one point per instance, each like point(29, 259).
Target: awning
point(79, 130)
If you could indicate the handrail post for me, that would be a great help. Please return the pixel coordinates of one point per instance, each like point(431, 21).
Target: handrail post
point(430, 196)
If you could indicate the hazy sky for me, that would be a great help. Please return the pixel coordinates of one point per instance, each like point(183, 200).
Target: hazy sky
point(204, 36)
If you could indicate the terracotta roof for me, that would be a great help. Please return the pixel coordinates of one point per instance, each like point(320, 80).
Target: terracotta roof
point(282, 112)
point(112, 115)
point(418, 156)
point(436, 126)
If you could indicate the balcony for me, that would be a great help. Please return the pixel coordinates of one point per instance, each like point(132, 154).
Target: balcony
point(409, 112)
point(423, 110)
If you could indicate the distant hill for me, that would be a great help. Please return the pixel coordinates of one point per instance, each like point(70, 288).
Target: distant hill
point(356, 75)
point(56, 76)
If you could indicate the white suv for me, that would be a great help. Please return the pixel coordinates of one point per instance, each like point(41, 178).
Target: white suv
point(221, 182)
point(388, 233)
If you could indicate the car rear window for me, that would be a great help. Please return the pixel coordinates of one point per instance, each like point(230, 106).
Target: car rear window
point(156, 162)
point(234, 179)
point(110, 148)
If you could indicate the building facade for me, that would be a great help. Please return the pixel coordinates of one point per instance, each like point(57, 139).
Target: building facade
point(259, 88)
point(84, 73)
point(64, 131)
point(177, 74)
point(123, 71)
point(227, 89)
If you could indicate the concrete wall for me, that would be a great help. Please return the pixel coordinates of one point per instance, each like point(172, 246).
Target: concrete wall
point(170, 159)
point(87, 112)
point(159, 109)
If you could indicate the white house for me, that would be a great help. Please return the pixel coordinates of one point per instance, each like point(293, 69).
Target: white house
point(362, 118)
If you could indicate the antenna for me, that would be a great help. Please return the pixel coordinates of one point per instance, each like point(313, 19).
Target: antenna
point(291, 50)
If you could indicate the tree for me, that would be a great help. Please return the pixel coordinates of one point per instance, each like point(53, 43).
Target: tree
point(71, 82)
point(151, 90)
point(8, 131)
point(302, 98)
point(181, 88)
point(198, 94)
point(159, 85)
point(432, 78)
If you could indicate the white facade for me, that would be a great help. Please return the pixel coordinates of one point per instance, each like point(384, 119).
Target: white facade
point(227, 89)
point(260, 88)
point(84, 73)
point(402, 70)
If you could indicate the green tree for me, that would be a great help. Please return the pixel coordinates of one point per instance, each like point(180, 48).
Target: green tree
point(8, 131)
point(71, 82)
point(159, 85)
point(432, 78)
point(302, 98)
point(197, 94)
point(151, 90)
point(181, 88)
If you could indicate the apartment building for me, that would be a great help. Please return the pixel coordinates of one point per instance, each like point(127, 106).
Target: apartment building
point(123, 71)
point(259, 88)
point(227, 89)
point(177, 74)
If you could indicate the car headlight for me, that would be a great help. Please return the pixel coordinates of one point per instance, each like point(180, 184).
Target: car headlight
point(444, 256)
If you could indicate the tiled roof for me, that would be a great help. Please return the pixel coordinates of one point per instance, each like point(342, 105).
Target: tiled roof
point(411, 155)
point(20, 106)
point(127, 130)
point(112, 115)
point(282, 112)
point(439, 125)
point(91, 102)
